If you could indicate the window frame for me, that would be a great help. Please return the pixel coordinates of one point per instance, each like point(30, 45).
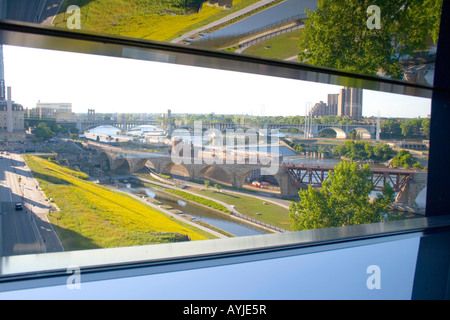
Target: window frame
point(210, 252)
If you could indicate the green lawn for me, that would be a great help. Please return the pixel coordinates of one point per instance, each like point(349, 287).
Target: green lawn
point(281, 47)
point(92, 216)
point(269, 213)
point(144, 19)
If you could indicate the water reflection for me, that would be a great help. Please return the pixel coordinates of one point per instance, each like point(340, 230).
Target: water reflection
point(218, 220)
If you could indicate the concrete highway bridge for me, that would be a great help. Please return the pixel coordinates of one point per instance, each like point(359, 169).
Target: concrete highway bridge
point(122, 125)
point(290, 177)
point(342, 131)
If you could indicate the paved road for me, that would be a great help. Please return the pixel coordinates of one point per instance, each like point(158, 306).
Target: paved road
point(35, 11)
point(26, 231)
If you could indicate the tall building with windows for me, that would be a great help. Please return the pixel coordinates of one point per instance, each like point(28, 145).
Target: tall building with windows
point(332, 102)
point(350, 103)
point(346, 103)
point(320, 109)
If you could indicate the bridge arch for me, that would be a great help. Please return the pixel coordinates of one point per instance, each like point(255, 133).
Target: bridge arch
point(101, 125)
point(216, 174)
point(421, 199)
point(292, 127)
point(122, 166)
point(340, 134)
point(179, 170)
point(271, 178)
point(167, 168)
point(148, 163)
point(105, 160)
point(246, 128)
point(363, 133)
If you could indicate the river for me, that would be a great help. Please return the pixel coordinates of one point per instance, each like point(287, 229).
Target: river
point(215, 219)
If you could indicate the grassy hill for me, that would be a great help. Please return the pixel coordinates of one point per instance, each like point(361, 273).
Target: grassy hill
point(146, 19)
point(92, 216)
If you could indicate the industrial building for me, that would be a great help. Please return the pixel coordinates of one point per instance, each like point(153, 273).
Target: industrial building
point(57, 111)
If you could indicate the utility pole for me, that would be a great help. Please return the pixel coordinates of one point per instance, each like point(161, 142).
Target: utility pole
point(377, 134)
point(308, 121)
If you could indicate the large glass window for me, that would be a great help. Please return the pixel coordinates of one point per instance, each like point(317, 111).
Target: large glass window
point(113, 141)
point(120, 152)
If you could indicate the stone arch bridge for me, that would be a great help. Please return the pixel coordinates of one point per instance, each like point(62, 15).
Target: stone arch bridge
point(290, 177)
point(127, 162)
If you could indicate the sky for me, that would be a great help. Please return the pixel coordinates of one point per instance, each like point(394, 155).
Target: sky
point(119, 85)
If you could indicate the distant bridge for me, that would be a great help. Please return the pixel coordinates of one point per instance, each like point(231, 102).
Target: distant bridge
point(342, 131)
point(122, 125)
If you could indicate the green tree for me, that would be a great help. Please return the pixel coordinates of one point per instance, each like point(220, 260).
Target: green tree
point(336, 35)
point(411, 128)
point(390, 129)
point(207, 184)
point(382, 151)
point(217, 186)
point(43, 132)
point(426, 127)
point(342, 200)
point(405, 160)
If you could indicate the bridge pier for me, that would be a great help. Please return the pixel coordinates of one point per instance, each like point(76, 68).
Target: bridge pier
point(412, 189)
point(287, 186)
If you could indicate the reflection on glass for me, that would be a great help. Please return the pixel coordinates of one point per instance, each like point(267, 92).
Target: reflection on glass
point(394, 39)
point(127, 152)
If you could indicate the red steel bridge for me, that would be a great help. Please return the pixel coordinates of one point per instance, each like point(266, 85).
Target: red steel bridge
point(305, 174)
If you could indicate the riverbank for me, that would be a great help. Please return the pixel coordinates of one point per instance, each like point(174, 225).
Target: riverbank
point(270, 214)
point(176, 215)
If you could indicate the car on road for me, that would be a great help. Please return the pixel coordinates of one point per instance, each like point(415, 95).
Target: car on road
point(18, 206)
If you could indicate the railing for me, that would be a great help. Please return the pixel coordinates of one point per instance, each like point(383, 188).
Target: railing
point(269, 35)
point(263, 224)
point(273, 25)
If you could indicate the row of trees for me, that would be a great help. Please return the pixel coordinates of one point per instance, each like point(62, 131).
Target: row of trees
point(363, 150)
point(405, 129)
